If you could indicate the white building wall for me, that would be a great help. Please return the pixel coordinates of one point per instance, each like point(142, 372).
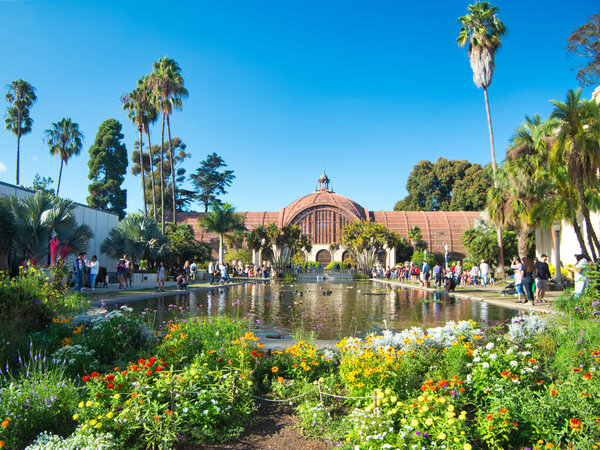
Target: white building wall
point(101, 222)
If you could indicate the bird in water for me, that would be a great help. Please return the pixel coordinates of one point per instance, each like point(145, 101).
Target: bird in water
point(327, 292)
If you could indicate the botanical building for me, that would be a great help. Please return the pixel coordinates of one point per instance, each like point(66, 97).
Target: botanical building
point(323, 214)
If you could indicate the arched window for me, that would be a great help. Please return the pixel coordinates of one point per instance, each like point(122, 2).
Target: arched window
point(323, 257)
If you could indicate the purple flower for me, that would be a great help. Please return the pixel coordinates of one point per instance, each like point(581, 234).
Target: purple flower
point(595, 303)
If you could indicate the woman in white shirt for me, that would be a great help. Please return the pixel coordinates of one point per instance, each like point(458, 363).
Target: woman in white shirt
point(94, 267)
point(518, 268)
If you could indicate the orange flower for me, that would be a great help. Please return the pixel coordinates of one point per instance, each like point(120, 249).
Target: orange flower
point(274, 369)
point(4, 424)
point(553, 392)
point(577, 370)
point(505, 374)
point(587, 376)
point(503, 410)
point(2, 444)
point(576, 424)
point(280, 379)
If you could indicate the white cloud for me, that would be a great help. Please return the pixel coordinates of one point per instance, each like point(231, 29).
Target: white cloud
point(2, 167)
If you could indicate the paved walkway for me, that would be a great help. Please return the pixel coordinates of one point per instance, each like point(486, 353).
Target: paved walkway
point(489, 294)
point(142, 291)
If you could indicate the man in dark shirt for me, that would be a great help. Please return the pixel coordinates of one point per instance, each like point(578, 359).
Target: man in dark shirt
point(542, 275)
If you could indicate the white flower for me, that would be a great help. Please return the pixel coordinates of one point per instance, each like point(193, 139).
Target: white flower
point(485, 365)
point(489, 346)
point(514, 363)
point(493, 357)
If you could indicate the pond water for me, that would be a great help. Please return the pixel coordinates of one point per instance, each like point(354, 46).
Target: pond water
point(352, 308)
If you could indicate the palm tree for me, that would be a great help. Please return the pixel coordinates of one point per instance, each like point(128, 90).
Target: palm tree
point(64, 139)
point(578, 148)
point(21, 96)
point(222, 219)
point(482, 30)
point(147, 103)
point(166, 83)
point(415, 236)
point(137, 236)
point(132, 104)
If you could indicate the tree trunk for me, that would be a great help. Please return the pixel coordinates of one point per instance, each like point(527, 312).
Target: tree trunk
point(580, 238)
point(172, 170)
point(151, 175)
point(18, 143)
point(591, 234)
point(162, 180)
point(522, 240)
point(59, 176)
point(142, 172)
point(220, 248)
point(500, 267)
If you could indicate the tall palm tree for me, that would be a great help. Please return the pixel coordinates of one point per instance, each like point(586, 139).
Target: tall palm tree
point(578, 148)
point(222, 219)
point(21, 96)
point(150, 115)
point(132, 104)
point(482, 30)
point(166, 82)
point(64, 139)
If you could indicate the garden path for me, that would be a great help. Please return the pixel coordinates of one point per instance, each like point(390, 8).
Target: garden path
point(275, 429)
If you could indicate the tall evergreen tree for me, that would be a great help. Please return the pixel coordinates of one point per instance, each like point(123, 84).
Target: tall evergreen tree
point(108, 165)
point(210, 182)
point(21, 96)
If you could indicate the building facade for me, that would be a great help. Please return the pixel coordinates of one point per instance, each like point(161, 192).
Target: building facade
point(323, 214)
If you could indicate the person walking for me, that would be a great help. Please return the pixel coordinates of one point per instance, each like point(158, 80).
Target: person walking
point(475, 274)
point(484, 270)
point(127, 274)
point(528, 280)
point(121, 274)
point(78, 271)
point(211, 272)
point(437, 275)
point(542, 275)
point(458, 271)
point(94, 268)
point(161, 276)
point(517, 266)
point(581, 279)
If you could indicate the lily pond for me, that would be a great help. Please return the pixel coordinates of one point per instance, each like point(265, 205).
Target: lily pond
point(331, 310)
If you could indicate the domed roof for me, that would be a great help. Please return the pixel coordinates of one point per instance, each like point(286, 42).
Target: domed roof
point(323, 198)
point(323, 178)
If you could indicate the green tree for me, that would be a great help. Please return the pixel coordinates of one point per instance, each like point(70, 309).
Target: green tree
point(236, 239)
point(42, 184)
point(480, 243)
point(21, 96)
point(285, 243)
point(137, 236)
point(578, 148)
point(65, 140)
point(445, 186)
point(220, 220)
point(166, 82)
point(132, 103)
point(257, 239)
point(365, 240)
point(584, 43)
point(209, 181)
point(184, 246)
point(415, 236)
point(482, 30)
point(108, 165)
point(41, 216)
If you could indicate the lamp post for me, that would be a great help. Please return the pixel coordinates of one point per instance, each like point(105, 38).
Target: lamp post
point(558, 279)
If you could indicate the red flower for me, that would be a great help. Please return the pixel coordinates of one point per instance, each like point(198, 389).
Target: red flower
point(553, 392)
point(110, 377)
point(503, 410)
point(152, 359)
point(86, 379)
point(116, 369)
point(588, 376)
point(124, 372)
point(159, 368)
point(576, 424)
point(110, 386)
point(220, 360)
point(98, 395)
point(577, 370)
point(95, 374)
point(149, 373)
point(119, 386)
point(254, 352)
point(148, 364)
point(142, 362)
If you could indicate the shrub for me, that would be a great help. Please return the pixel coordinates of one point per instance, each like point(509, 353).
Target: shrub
point(79, 440)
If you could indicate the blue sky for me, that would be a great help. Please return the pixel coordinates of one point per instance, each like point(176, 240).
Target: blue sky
point(283, 89)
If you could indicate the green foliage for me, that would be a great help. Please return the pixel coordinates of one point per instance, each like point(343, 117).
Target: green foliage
point(239, 255)
point(337, 265)
point(419, 256)
point(108, 165)
point(36, 397)
point(481, 243)
point(445, 186)
point(184, 246)
point(584, 42)
point(137, 236)
point(42, 184)
point(210, 182)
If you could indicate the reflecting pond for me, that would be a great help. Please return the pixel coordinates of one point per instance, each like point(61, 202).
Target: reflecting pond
point(331, 309)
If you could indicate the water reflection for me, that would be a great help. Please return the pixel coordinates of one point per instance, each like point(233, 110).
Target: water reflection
point(279, 309)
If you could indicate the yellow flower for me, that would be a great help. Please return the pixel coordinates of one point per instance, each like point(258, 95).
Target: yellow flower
point(429, 422)
point(88, 403)
point(99, 425)
point(442, 436)
point(467, 447)
point(109, 415)
point(414, 423)
point(75, 416)
point(81, 405)
point(274, 369)
point(117, 396)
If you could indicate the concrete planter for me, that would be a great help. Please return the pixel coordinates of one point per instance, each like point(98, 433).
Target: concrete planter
point(142, 277)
